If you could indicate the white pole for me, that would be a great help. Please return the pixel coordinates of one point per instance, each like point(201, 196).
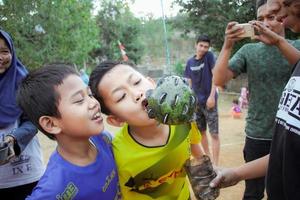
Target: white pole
point(166, 38)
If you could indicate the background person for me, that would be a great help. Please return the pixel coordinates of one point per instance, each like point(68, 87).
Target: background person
point(267, 71)
point(20, 173)
point(281, 166)
point(198, 71)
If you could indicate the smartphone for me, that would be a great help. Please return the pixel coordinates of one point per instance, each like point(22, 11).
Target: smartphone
point(249, 30)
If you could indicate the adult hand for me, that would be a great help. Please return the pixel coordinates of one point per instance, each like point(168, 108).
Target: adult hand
point(9, 142)
point(265, 34)
point(224, 178)
point(231, 34)
point(211, 102)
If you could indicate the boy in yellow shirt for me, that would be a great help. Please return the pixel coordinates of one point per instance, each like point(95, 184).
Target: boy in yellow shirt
point(150, 156)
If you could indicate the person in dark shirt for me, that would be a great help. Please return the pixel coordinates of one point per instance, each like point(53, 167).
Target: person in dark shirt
point(281, 166)
point(198, 71)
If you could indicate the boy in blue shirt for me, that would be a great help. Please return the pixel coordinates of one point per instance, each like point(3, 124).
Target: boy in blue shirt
point(58, 102)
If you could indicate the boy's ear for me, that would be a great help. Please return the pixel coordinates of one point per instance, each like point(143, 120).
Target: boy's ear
point(151, 80)
point(114, 121)
point(50, 124)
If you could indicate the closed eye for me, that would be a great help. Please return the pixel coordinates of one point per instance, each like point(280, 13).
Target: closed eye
point(79, 101)
point(121, 98)
point(5, 51)
point(137, 82)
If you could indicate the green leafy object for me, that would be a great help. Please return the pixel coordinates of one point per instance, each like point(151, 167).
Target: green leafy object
point(172, 101)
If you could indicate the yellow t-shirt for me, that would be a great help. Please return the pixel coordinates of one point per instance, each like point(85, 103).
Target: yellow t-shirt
point(154, 172)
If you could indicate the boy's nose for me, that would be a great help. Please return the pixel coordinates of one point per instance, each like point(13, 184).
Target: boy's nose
point(139, 96)
point(93, 103)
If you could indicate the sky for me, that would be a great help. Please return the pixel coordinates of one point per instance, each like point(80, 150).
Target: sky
point(143, 7)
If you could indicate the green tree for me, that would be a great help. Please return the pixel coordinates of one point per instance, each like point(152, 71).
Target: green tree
point(50, 30)
point(152, 35)
point(212, 16)
point(117, 23)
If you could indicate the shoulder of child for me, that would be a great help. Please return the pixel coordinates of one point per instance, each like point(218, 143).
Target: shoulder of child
point(47, 188)
point(104, 135)
point(107, 135)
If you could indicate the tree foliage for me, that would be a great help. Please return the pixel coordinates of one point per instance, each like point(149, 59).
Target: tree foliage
point(50, 30)
point(117, 23)
point(153, 38)
point(212, 16)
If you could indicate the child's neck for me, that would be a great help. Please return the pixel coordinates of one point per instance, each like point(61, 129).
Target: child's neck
point(156, 135)
point(78, 152)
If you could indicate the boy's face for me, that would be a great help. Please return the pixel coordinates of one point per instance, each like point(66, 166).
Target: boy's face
point(79, 110)
point(269, 20)
point(201, 48)
point(5, 56)
point(123, 91)
point(287, 12)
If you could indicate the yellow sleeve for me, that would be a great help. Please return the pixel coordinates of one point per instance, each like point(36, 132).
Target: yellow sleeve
point(195, 135)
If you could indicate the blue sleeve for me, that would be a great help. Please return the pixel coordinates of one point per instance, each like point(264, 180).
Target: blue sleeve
point(39, 194)
point(23, 134)
point(211, 60)
point(45, 189)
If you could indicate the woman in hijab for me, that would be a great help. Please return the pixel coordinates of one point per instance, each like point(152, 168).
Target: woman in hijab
point(22, 166)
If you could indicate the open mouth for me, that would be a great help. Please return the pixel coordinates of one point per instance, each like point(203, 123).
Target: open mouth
point(145, 104)
point(97, 116)
point(149, 110)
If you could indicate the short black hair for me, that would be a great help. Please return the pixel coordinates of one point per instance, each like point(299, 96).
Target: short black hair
point(97, 75)
point(235, 101)
point(260, 3)
point(37, 94)
point(203, 38)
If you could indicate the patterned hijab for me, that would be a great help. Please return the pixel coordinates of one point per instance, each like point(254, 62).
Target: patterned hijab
point(9, 82)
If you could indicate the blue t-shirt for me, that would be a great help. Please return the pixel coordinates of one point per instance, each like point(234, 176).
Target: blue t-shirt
point(63, 180)
point(200, 72)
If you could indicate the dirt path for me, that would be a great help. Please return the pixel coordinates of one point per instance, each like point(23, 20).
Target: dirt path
point(232, 142)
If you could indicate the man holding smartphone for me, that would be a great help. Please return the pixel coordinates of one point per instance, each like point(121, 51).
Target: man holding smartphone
point(268, 72)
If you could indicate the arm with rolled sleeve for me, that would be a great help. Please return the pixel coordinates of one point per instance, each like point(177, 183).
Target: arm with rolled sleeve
point(23, 134)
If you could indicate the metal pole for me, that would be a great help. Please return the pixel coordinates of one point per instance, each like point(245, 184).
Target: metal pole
point(166, 38)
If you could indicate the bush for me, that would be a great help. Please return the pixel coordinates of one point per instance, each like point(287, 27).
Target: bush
point(178, 68)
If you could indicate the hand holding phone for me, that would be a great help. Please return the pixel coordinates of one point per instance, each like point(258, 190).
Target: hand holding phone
point(248, 30)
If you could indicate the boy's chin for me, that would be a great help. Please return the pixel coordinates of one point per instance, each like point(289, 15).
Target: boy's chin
point(99, 130)
point(148, 122)
point(153, 121)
